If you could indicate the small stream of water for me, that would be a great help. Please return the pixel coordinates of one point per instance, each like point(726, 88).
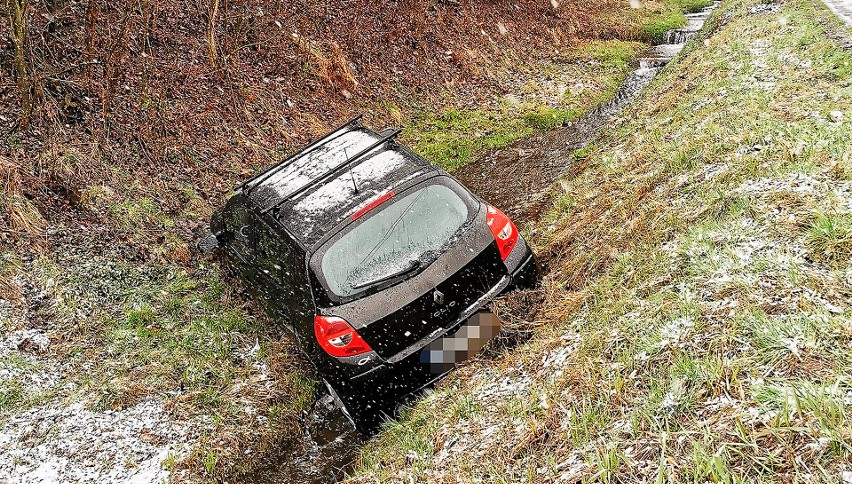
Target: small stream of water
point(517, 179)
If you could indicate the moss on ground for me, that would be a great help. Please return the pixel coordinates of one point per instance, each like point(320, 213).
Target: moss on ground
point(695, 323)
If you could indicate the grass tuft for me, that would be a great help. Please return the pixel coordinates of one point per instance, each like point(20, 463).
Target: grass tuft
point(829, 238)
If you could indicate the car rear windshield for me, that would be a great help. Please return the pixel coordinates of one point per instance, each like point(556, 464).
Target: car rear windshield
point(405, 235)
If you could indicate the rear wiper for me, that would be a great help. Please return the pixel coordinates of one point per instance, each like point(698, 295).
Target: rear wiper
point(413, 265)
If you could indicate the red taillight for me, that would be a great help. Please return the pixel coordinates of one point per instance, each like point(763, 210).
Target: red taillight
point(372, 204)
point(505, 232)
point(337, 337)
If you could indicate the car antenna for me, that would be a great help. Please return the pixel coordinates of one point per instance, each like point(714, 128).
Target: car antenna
point(351, 175)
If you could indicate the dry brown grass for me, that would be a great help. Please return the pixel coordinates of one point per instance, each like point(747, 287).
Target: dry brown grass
point(18, 215)
point(697, 340)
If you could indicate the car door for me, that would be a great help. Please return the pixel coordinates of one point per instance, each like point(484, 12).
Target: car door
point(281, 264)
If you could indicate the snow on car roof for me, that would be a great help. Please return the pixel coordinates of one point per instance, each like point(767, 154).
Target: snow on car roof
point(309, 215)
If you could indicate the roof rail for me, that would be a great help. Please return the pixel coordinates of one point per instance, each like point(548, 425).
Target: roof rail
point(333, 171)
point(260, 177)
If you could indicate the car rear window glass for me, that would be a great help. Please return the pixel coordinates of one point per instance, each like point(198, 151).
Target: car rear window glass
point(405, 234)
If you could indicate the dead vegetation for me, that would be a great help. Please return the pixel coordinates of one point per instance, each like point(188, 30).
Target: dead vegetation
point(695, 324)
point(198, 95)
point(127, 123)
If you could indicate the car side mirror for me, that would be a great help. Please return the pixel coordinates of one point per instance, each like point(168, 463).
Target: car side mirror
point(208, 244)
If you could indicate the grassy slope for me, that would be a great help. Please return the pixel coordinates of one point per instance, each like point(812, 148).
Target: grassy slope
point(696, 323)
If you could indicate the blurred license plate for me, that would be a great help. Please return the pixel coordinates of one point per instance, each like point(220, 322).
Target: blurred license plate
point(444, 353)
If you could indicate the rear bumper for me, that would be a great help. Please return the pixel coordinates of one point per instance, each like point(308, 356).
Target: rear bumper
point(375, 394)
point(526, 275)
point(396, 379)
point(404, 372)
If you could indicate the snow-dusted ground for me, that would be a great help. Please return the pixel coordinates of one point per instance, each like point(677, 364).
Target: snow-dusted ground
point(59, 443)
point(843, 9)
point(61, 439)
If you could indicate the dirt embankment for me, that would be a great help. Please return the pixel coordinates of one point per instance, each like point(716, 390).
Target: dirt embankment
point(182, 95)
point(127, 123)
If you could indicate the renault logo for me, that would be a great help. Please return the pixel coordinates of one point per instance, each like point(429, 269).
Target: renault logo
point(438, 296)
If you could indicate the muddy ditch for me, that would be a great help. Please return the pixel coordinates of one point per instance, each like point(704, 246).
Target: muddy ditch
point(518, 179)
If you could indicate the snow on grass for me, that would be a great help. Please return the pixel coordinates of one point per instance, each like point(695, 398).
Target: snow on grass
point(71, 443)
point(707, 241)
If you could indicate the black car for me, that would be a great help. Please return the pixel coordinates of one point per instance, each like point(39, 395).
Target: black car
point(380, 263)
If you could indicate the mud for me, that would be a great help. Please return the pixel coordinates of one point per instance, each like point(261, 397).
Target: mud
point(518, 178)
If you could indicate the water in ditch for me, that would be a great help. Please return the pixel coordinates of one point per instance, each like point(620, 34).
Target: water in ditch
point(517, 179)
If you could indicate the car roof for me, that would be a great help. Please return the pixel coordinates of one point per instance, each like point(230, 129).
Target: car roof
point(310, 198)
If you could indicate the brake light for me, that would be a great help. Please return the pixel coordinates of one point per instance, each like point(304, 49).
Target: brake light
point(337, 337)
point(373, 204)
point(504, 230)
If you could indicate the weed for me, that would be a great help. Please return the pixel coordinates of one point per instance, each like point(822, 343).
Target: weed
point(829, 237)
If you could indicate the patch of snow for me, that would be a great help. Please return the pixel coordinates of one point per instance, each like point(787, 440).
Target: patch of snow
point(506, 387)
point(674, 330)
point(59, 443)
point(557, 357)
point(32, 339)
point(669, 402)
point(340, 189)
point(798, 183)
point(764, 8)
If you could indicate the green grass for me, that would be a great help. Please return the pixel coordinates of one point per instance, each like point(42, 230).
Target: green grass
point(689, 6)
point(589, 76)
point(663, 21)
point(696, 283)
point(453, 137)
point(139, 213)
point(671, 17)
point(829, 237)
